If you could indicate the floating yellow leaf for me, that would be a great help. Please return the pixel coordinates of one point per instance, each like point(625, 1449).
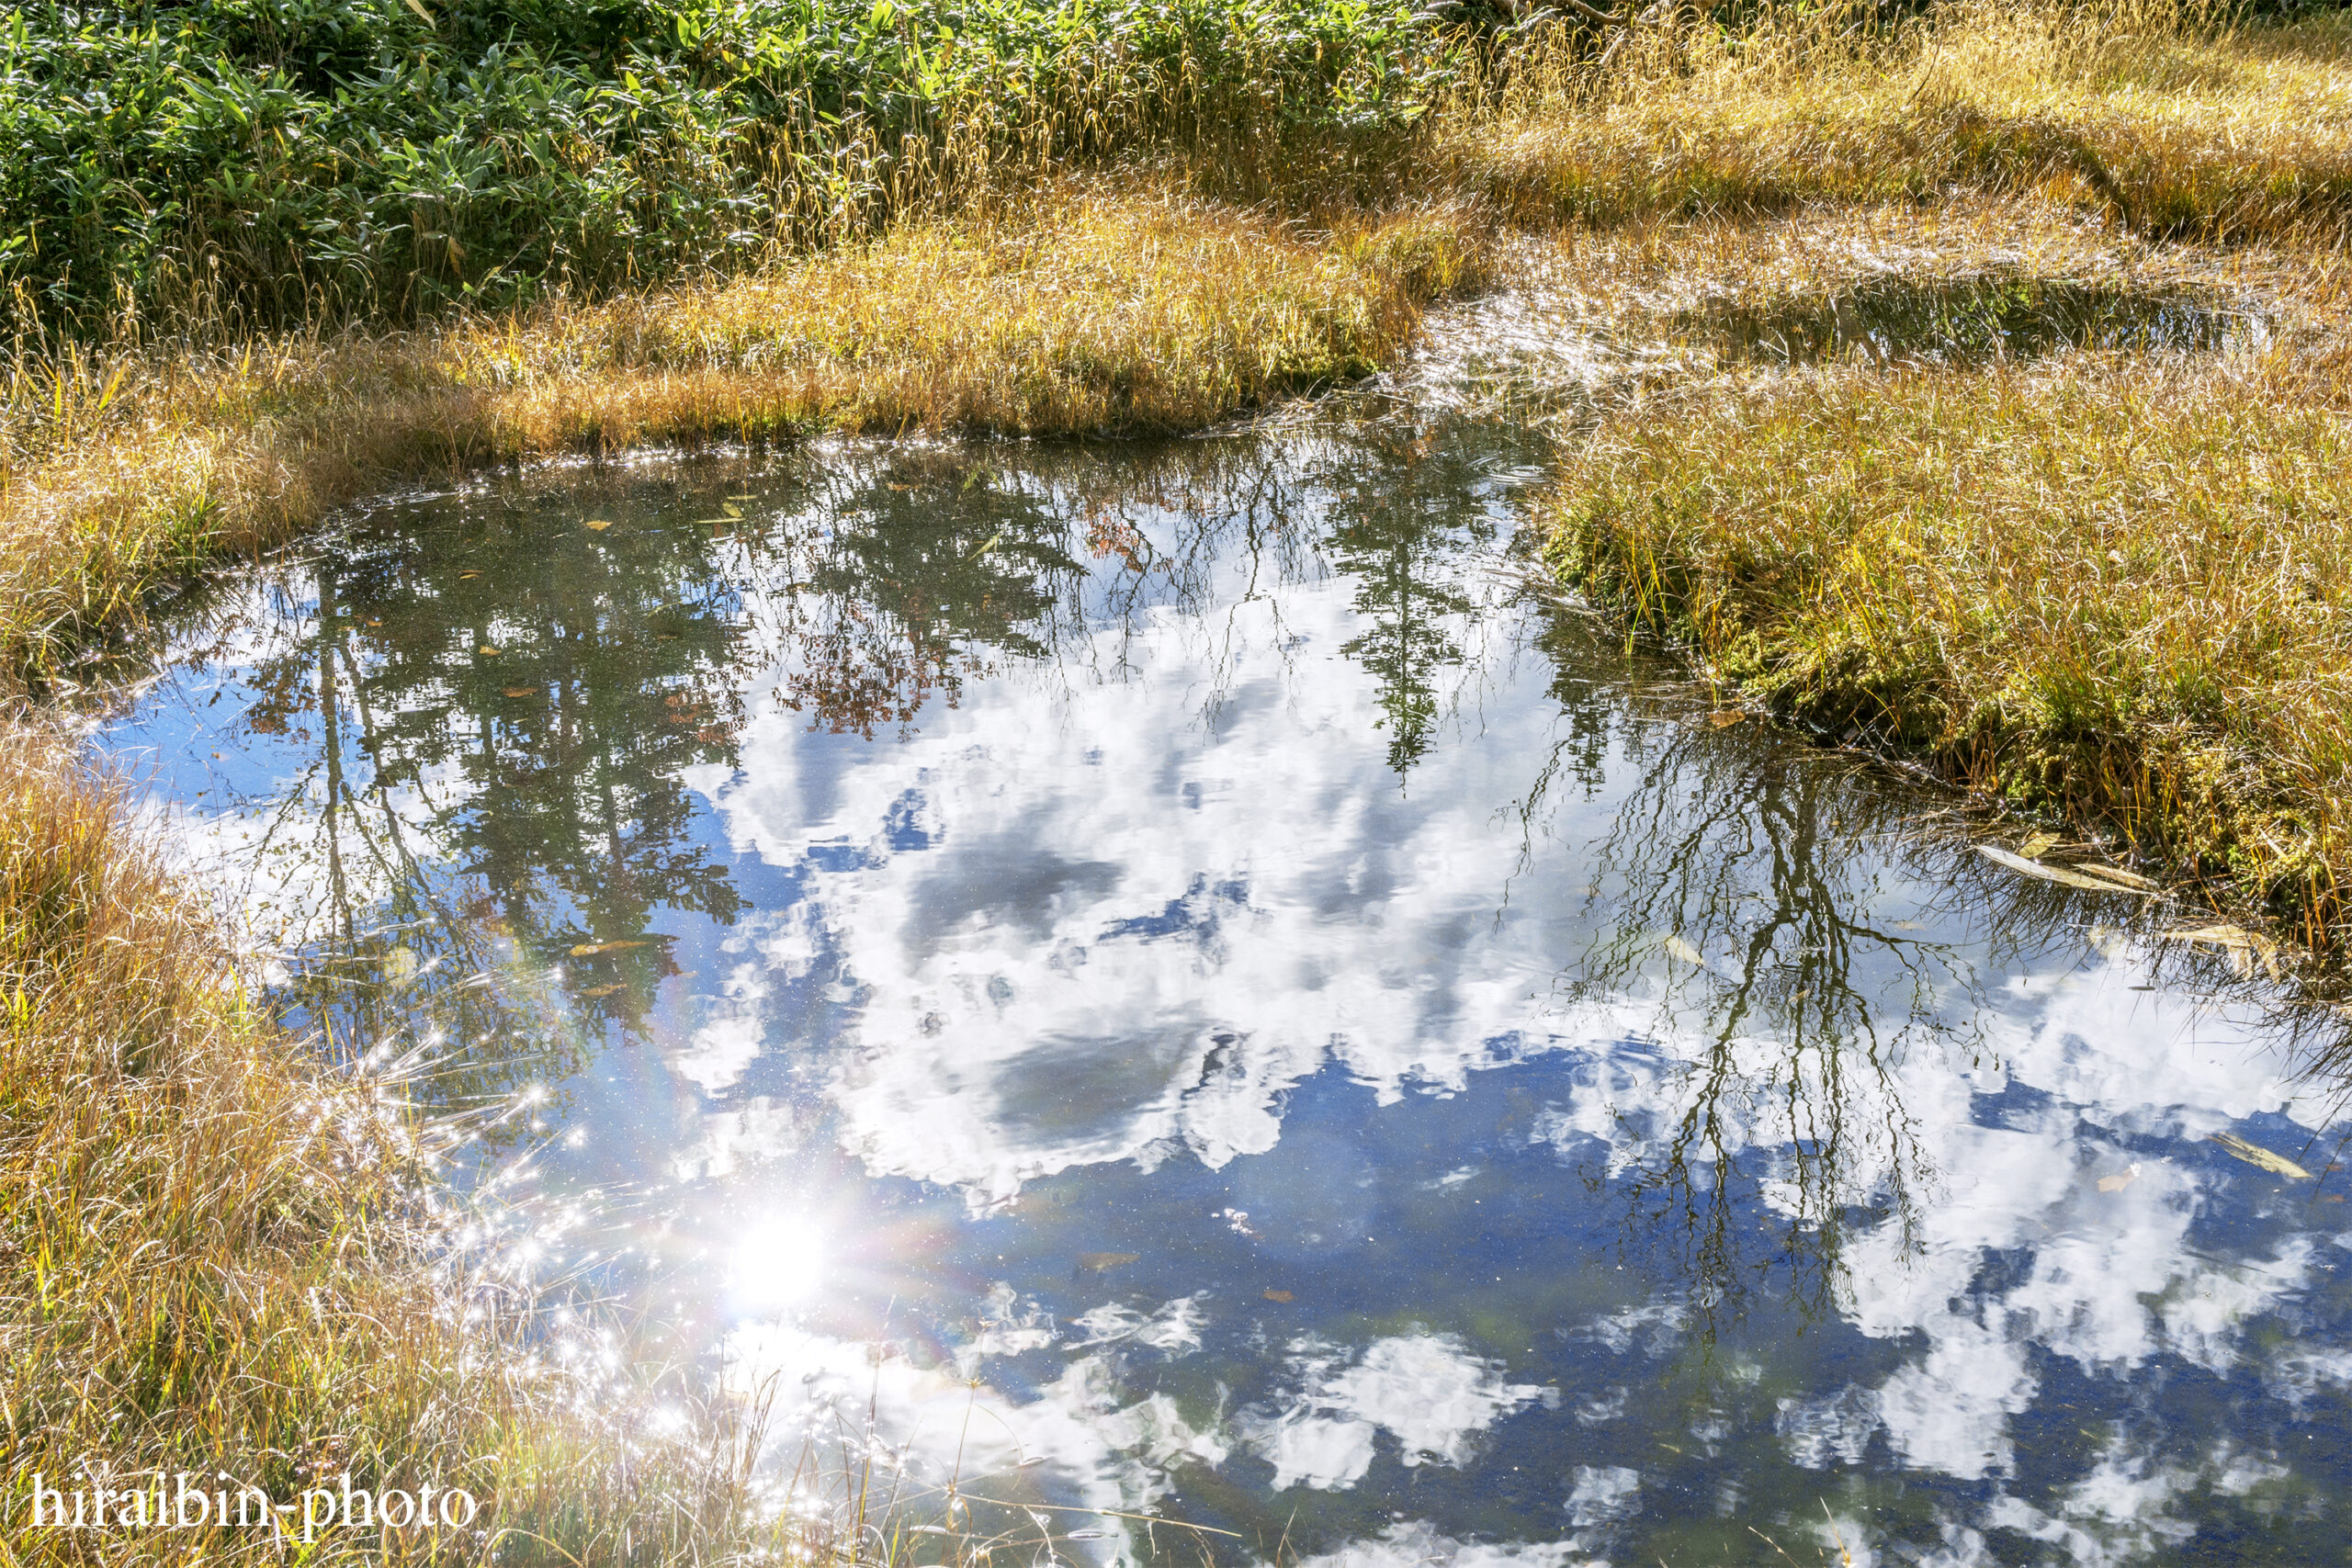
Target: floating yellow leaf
point(1278, 1295)
point(2255, 1154)
point(463, 575)
point(1104, 1262)
point(486, 650)
point(2038, 845)
point(598, 526)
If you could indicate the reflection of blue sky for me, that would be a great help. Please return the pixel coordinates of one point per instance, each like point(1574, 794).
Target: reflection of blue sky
point(1147, 951)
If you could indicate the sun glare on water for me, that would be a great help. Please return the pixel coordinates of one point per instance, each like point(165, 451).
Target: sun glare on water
point(777, 1262)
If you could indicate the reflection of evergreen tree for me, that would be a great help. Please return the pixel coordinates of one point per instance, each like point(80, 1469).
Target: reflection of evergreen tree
point(519, 695)
point(926, 571)
point(1399, 529)
point(504, 704)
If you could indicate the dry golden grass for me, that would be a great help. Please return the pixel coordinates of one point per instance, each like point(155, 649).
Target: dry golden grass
point(200, 1243)
point(1095, 313)
point(2120, 590)
point(2150, 110)
point(216, 1255)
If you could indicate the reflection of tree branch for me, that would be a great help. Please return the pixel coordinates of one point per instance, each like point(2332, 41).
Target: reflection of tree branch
point(1712, 831)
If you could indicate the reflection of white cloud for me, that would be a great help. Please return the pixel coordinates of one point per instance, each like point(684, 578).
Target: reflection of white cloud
point(1428, 1391)
point(1091, 918)
point(1604, 1494)
point(1305, 1449)
point(1087, 921)
point(2118, 1513)
point(1834, 1428)
point(1175, 1328)
point(1655, 1326)
point(1009, 1327)
point(1418, 1544)
point(1080, 1434)
point(750, 1130)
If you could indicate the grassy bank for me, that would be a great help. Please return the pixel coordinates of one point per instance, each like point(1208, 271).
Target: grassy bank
point(216, 1257)
point(1108, 312)
point(2114, 590)
point(2181, 120)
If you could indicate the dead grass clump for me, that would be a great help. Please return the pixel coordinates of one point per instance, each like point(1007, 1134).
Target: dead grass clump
point(1092, 314)
point(2154, 111)
point(198, 1240)
point(217, 1258)
point(2117, 589)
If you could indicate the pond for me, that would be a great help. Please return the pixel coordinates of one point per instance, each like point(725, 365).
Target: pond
point(1177, 983)
point(1972, 319)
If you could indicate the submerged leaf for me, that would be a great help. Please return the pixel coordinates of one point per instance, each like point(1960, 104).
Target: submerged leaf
point(2120, 1180)
point(2118, 874)
point(2057, 873)
point(1104, 1262)
point(590, 949)
point(2255, 1154)
point(522, 691)
point(1278, 1295)
point(1678, 948)
point(598, 527)
point(1723, 718)
point(2238, 940)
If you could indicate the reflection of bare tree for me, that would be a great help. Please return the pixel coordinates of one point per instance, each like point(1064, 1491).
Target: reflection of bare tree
point(1743, 901)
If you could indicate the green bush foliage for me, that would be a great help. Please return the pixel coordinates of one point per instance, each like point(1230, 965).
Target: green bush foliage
point(257, 162)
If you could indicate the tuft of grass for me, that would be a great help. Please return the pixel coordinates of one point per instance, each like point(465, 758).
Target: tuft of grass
point(198, 1237)
point(2160, 112)
point(2116, 589)
point(218, 1256)
point(1099, 313)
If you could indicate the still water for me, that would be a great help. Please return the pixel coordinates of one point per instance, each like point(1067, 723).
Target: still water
point(1173, 981)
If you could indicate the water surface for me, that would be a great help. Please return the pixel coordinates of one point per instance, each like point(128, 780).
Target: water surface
point(1177, 985)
